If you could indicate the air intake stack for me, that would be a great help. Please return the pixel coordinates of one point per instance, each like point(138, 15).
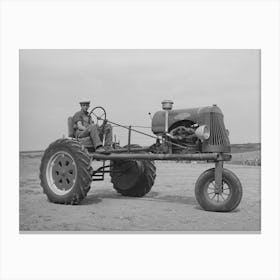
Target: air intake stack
point(166, 106)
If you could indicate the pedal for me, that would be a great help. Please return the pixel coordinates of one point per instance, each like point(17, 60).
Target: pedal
point(97, 175)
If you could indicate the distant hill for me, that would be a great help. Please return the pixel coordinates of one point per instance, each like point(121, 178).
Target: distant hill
point(31, 154)
point(248, 147)
point(246, 154)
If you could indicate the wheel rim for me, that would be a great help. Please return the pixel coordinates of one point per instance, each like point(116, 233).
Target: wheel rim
point(218, 197)
point(61, 173)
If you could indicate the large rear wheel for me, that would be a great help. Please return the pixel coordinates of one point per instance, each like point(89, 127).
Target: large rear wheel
point(65, 172)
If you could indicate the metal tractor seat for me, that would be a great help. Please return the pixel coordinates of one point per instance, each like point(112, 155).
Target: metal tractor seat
point(86, 141)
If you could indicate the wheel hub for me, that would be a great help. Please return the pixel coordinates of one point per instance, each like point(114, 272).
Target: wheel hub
point(61, 172)
point(218, 194)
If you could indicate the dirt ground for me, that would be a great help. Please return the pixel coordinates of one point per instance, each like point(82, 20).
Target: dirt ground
point(169, 207)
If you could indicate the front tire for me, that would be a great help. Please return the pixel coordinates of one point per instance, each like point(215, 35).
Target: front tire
point(210, 200)
point(65, 172)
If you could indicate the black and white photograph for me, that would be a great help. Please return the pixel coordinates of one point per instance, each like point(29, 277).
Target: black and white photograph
point(140, 140)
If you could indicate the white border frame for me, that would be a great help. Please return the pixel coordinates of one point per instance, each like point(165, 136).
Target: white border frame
point(155, 24)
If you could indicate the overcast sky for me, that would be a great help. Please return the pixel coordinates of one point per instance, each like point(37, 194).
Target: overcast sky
point(131, 83)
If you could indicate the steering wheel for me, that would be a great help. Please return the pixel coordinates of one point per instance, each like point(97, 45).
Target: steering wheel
point(98, 114)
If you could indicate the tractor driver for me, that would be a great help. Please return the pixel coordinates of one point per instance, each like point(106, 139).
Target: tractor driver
point(84, 127)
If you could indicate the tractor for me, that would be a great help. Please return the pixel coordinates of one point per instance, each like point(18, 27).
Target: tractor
point(197, 134)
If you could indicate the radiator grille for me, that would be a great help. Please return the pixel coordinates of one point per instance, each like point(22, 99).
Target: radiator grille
point(218, 141)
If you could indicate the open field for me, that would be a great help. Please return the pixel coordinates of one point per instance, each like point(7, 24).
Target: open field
point(170, 206)
point(247, 158)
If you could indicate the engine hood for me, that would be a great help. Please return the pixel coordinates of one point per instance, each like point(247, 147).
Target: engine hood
point(197, 115)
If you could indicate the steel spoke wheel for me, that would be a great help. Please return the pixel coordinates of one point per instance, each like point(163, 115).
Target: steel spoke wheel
point(225, 199)
point(218, 196)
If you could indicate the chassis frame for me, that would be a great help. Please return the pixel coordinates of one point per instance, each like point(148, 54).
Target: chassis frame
point(125, 154)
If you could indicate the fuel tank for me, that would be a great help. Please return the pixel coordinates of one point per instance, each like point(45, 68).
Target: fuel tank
point(209, 115)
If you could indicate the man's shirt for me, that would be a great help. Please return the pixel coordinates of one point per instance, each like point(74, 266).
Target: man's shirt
point(83, 117)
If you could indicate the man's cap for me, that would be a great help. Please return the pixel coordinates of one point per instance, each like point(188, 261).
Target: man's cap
point(84, 101)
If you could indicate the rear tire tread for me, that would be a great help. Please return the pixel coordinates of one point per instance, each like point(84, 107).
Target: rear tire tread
point(144, 183)
point(83, 180)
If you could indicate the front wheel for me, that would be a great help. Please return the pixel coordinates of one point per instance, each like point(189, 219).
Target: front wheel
point(211, 200)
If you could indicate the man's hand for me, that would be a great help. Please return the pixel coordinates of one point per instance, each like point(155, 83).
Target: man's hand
point(104, 126)
point(80, 126)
